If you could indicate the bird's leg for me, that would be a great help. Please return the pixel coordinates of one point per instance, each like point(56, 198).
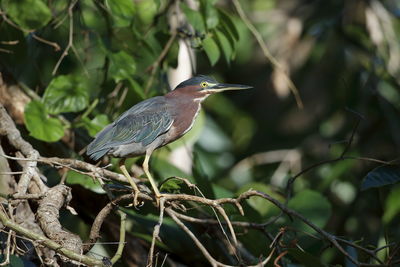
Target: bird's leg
point(152, 182)
point(136, 190)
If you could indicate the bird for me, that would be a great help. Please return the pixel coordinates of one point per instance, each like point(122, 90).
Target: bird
point(153, 123)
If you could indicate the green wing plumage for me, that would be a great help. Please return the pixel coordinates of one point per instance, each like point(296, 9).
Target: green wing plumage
point(143, 123)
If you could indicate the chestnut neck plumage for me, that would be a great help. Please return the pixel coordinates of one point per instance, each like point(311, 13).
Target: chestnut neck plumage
point(186, 103)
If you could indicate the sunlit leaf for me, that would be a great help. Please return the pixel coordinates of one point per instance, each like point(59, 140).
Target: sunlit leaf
point(212, 50)
point(90, 16)
point(67, 93)
point(166, 169)
point(122, 11)
point(194, 18)
point(210, 13)
point(29, 14)
point(146, 10)
point(225, 46)
point(259, 204)
point(40, 125)
point(392, 205)
point(381, 176)
point(122, 66)
point(313, 206)
point(171, 185)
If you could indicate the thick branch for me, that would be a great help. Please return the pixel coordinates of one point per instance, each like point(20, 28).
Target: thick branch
point(48, 213)
point(8, 129)
point(48, 243)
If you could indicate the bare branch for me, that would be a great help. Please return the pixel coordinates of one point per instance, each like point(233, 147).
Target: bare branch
point(48, 214)
point(121, 243)
point(160, 58)
point(48, 242)
point(70, 37)
point(267, 53)
point(8, 129)
point(156, 233)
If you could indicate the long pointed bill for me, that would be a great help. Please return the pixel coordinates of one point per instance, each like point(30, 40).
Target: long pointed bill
point(220, 87)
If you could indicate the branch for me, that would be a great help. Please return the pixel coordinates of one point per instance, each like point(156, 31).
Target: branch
point(48, 215)
point(156, 233)
point(37, 238)
point(70, 37)
point(267, 53)
point(160, 58)
point(102, 215)
point(121, 243)
point(8, 129)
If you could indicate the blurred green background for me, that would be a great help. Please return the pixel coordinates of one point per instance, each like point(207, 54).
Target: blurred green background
point(342, 56)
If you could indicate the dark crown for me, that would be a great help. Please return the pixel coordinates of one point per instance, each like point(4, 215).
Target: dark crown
point(197, 80)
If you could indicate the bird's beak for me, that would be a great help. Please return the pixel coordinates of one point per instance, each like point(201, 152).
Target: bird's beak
point(220, 87)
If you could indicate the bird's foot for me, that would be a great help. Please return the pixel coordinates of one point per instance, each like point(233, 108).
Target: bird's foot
point(158, 196)
point(136, 203)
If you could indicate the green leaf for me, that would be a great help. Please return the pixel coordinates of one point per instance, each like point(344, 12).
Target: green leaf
point(210, 14)
point(171, 185)
point(83, 180)
point(66, 94)
point(392, 205)
point(225, 46)
point(381, 176)
point(29, 14)
point(122, 11)
point(146, 11)
point(228, 23)
point(212, 50)
point(96, 125)
point(313, 206)
point(166, 169)
point(262, 206)
point(194, 18)
point(90, 16)
point(40, 125)
point(122, 66)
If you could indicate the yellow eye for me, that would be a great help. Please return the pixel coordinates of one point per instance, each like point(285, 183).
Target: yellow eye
point(204, 84)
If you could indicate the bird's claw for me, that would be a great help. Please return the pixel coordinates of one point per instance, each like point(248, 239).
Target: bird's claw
point(136, 204)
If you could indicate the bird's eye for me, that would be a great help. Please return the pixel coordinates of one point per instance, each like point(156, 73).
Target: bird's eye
point(204, 84)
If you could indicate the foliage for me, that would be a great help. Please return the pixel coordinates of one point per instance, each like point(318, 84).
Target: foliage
point(83, 63)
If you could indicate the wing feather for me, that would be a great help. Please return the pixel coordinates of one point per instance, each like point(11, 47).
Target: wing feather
point(142, 123)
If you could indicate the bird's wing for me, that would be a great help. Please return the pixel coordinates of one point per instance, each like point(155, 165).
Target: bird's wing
point(142, 123)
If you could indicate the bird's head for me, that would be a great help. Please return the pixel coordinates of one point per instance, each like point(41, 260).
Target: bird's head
point(202, 86)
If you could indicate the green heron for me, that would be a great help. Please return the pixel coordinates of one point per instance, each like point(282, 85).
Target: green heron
point(154, 123)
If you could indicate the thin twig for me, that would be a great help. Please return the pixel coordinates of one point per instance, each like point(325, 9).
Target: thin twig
point(122, 242)
point(70, 37)
point(267, 53)
point(53, 44)
point(156, 233)
point(156, 64)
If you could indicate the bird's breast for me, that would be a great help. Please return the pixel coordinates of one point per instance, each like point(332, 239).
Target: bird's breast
point(183, 120)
